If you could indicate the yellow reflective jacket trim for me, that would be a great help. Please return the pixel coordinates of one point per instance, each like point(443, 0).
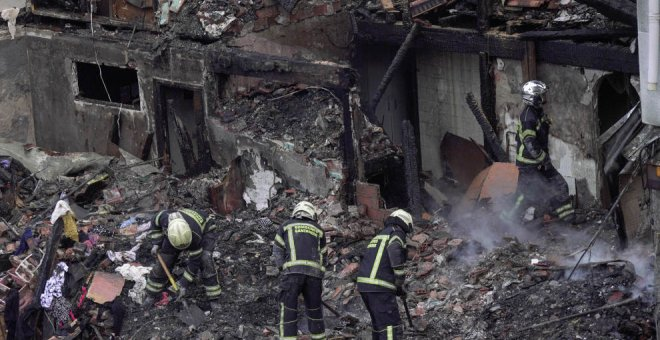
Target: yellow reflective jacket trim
point(158, 218)
point(395, 239)
point(279, 240)
point(527, 133)
point(376, 282)
point(292, 245)
point(399, 272)
point(523, 159)
point(318, 233)
point(196, 217)
point(195, 253)
point(318, 336)
point(303, 263)
point(379, 256)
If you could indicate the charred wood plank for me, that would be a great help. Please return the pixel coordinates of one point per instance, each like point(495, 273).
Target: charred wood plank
point(290, 70)
point(623, 11)
point(411, 169)
point(394, 66)
point(604, 57)
point(483, 15)
point(490, 138)
point(579, 34)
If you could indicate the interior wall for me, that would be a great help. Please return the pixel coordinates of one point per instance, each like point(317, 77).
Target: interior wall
point(16, 116)
point(443, 80)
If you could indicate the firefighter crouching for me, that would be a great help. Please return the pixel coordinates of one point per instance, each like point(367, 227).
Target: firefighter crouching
point(381, 275)
point(176, 231)
point(298, 251)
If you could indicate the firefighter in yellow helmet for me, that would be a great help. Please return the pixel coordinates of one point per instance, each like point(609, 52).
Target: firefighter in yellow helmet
point(381, 276)
point(298, 251)
point(173, 232)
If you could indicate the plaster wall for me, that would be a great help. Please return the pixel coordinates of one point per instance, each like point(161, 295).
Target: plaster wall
point(443, 80)
point(15, 94)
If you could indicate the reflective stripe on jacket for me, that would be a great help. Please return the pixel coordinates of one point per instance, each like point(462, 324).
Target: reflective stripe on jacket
point(381, 268)
point(533, 128)
point(303, 244)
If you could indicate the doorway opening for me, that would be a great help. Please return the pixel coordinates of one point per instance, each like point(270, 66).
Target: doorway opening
point(181, 130)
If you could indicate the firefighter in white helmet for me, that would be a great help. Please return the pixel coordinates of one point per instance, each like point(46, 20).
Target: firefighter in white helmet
point(381, 275)
point(175, 231)
point(539, 183)
point(299, 251)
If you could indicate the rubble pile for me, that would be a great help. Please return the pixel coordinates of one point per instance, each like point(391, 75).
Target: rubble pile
point(458, 288)
point(307, 121)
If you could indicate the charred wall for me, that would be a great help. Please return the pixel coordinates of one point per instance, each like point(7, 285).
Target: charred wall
point(16, 117)
point(66, 121)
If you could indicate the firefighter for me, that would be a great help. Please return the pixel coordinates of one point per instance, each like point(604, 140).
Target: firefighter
point(539, 183)
point(381, 275)
point(298, 251)
point(187, 230)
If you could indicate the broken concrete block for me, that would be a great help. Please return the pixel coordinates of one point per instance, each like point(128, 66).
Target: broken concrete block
point(420, 238)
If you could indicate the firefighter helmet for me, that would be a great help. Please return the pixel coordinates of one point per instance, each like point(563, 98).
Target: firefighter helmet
point(405, 217)
point(533, 93)
point(178, 231)
point(304, 209)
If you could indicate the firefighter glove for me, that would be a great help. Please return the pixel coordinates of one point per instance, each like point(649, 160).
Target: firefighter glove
point(154, 250)
point(400, 291)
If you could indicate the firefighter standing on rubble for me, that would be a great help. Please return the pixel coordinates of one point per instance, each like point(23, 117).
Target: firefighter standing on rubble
point(176, 231)
point(539, 183)
point(381, 275)
point(298, 251)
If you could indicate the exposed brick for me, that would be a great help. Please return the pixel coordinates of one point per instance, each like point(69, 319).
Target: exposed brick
point(268, 12)
point(260, 24)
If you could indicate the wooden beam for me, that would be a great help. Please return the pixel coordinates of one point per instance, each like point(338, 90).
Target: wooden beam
point(252, 64)
point(623, 11)
point(606, 57)
point(487, 89)
point(483, 15)
point(579, 34)
point(529, 62)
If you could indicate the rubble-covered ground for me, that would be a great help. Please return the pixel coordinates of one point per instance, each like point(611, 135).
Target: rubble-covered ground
point(472, 279)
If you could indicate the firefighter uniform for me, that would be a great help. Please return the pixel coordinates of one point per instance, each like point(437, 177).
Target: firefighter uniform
point(298, 251)
point(380, 278)
point(204, 235)
point(539, 183)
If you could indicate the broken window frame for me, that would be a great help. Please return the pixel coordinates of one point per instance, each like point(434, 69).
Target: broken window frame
point(78, 97)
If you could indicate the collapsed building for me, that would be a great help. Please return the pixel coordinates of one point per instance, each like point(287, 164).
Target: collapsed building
point(361, 105)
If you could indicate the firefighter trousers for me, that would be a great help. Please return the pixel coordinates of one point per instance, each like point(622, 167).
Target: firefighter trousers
point(543, 188)
point(291, 286)
point(385, 318)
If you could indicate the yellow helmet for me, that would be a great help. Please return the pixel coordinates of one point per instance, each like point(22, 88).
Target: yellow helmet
point(405, 217)
point(304, 209)
point(178, 231)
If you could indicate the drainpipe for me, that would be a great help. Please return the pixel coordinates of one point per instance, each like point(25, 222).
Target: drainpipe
point(654, 38)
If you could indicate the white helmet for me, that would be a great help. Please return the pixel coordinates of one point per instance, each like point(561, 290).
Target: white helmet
point(533, 93)
point(405, 217)
point(178, 231)
point(304, 209)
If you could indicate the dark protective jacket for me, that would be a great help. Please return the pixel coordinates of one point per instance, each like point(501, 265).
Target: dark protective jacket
point(199, 223)
point(532, 137)
point(381, 268)
point(299, 248)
